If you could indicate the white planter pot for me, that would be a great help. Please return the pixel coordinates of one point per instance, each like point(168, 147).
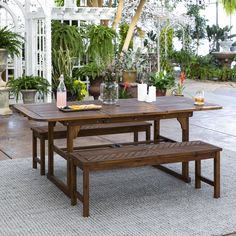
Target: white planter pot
point(4, 101)
point(28, 96)
point(233, 49)
point(3, 65)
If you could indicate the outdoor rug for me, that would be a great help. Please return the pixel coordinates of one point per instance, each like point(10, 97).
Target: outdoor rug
point(137, 201)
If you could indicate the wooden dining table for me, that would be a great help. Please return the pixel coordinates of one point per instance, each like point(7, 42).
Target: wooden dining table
point(126, 110)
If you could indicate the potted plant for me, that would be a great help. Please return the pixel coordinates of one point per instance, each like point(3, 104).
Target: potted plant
point(132, 64)
point(92, 70)
point(101, 46)
point(233, 47)
point(128, 61)
point(67, 49)
point(100, 54)
point(162, 81)
point(28, 86)
point(10, 43)
point(179, 88)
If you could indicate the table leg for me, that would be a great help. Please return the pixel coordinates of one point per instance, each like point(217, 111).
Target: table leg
point(72, 133)
point(50, 148)
point(184, 123)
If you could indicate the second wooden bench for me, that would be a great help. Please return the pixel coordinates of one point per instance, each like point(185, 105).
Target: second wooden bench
point(143, 155)
point(41, 133)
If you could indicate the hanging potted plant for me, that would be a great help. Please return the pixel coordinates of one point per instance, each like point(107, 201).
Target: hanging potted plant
point(10, 43)
point(100, 54)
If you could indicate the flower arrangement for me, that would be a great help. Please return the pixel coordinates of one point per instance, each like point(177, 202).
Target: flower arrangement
point(180, 85)
point(111, 72)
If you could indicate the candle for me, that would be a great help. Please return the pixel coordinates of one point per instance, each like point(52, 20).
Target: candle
point(148, 98)
point(142, 92)
point(152, 93)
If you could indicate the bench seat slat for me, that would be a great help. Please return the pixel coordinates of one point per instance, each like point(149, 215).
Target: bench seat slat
point(143, 153)
point(90, 130)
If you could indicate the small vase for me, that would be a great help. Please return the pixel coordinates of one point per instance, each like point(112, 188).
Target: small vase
point(109, 92)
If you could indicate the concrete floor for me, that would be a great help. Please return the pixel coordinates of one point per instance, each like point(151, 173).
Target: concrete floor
point(217, 127)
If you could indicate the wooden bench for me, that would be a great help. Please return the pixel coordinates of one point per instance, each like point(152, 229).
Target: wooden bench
point(41, 132)
point(143, 155)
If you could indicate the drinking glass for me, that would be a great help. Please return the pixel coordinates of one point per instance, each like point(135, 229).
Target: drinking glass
point(199, 98)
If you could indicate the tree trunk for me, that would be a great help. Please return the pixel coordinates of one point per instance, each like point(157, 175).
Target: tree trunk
point(133, 24)
point(100, 3)
point(92, 3)
point(118, 14)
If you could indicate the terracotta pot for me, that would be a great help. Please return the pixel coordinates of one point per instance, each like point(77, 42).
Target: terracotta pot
point(129, 76)
point(160, 92)
point(94, 88)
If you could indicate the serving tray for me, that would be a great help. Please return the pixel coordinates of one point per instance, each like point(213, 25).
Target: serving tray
point(88, 107)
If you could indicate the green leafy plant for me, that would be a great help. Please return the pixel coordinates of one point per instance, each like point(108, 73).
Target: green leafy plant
point(67, 38)
point(60, 3)
point(27, 82)
point(133, 61)
point(101, 47)
point(76, 89)
point(166, 48)
point(215, 34)
point(92, 70)
point(229, 6)
point(183, 58)
point(161, 80)
point(67, 49)
point(10, 41)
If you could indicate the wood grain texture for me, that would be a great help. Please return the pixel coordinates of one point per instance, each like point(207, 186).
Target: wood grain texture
point(124, 108)
point(143, 155)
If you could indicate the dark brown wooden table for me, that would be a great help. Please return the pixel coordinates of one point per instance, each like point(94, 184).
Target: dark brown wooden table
point(127, 110)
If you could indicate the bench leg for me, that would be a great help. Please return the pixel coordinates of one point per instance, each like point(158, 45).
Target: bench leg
point(73, 190)
point(148, 134)
point(34, 151)
point(217, 175)
point(198, 174)
point(85, 193)
point(42, 156)
point(135, 136)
